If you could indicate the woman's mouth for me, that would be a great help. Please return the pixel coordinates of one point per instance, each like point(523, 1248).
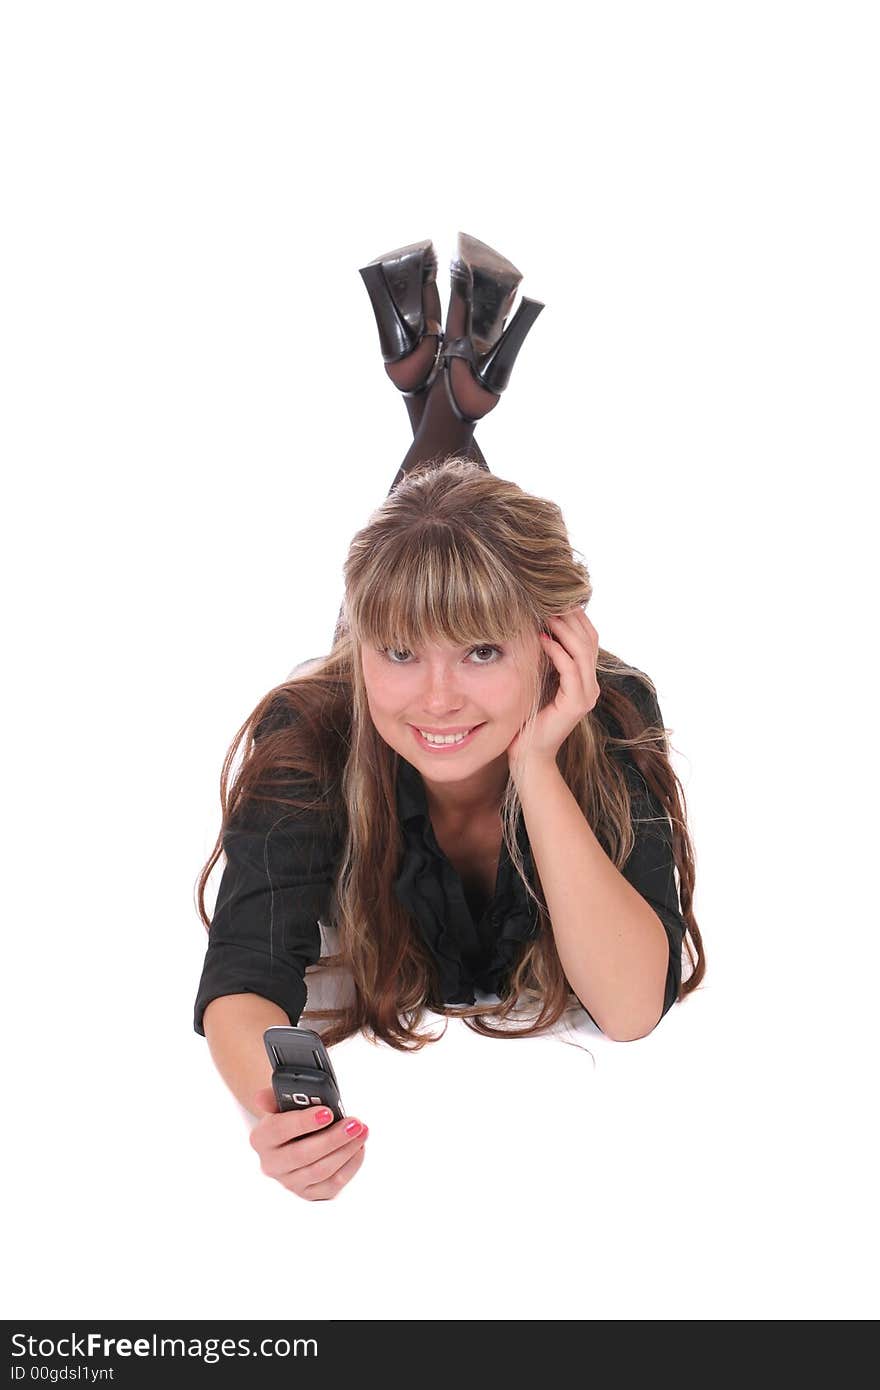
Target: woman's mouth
point(446, 744)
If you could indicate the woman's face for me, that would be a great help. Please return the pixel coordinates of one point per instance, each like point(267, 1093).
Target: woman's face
point(486, 689)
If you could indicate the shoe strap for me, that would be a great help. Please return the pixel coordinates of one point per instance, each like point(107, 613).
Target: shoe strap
point(431, 326)
point(460, 347)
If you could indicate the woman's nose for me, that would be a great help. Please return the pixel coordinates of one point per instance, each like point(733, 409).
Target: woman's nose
point(440, 686)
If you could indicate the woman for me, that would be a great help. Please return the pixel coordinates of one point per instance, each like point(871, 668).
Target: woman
point(476, 795)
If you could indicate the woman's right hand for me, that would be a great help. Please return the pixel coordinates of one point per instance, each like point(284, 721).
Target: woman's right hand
point(316, 1167)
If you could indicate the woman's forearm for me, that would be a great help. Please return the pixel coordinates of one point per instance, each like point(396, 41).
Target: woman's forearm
point(234, 1025)
point(611, 943)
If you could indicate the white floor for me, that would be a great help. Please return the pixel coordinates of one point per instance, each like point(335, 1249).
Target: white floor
point(719, 1168)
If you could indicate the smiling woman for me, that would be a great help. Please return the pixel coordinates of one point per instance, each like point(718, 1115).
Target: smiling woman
point(446, 867)
point(471, 793)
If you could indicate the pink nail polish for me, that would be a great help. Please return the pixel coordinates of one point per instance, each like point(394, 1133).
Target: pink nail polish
point(322, 1116)
point(353, 1127)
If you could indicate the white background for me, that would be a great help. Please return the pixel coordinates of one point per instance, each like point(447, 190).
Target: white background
point(196, 421)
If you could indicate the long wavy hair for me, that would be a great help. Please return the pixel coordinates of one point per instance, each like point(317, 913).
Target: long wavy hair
point(454, 553)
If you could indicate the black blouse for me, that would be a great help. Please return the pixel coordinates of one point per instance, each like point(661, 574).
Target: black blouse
point(278, 882)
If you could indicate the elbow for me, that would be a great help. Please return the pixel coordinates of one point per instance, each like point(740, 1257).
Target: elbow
point(630, 1036)
point(631, 1029)
point(636, 1016)
point(640, 1020)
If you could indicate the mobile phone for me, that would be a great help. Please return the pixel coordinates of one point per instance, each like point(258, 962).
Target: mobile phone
point(302, 1073)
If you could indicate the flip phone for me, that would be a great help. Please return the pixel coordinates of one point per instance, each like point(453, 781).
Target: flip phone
point(302, 1073)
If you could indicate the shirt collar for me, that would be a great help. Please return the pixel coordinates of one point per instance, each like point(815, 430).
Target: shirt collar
point(412, 799)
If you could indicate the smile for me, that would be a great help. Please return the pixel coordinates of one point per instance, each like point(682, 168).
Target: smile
point(441, 746)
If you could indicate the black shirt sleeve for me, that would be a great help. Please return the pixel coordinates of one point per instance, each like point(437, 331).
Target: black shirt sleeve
point(277, 882)
point(650, 867)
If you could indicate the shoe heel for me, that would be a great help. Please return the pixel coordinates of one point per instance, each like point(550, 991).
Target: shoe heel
point(395, 338)
point(394, 283)
point(494, 371)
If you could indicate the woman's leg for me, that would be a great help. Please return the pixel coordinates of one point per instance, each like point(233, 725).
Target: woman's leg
point(415, 406)
point(414, 368)
point(439, 432)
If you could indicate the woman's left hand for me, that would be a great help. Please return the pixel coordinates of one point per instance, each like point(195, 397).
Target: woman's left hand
point(573, 649)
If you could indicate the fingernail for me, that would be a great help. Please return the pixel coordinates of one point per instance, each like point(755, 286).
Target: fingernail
point(353, 1127)
point(322, 1116)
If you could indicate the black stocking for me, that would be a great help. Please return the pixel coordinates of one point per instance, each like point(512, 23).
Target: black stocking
point(439, 432)
point(415, 406)
point(445, 437)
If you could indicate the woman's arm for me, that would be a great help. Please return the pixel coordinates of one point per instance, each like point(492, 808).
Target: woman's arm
point(234, 1025)
point(611, 943)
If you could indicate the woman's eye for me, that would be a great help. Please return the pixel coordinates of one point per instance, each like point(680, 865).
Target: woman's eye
point(392, 652)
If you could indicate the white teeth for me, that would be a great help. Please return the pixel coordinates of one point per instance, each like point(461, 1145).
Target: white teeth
point(443, 738)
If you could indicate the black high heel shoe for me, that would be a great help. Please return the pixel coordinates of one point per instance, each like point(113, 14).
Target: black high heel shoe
point(485, 283)
point(396, 284)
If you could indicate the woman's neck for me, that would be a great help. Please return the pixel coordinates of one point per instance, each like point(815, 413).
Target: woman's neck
point(477, 798)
